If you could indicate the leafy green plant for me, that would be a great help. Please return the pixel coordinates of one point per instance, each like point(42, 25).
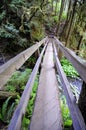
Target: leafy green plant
point(65, 112)
point(5, 34)
point(11, 28)
point(17, 99)
point(2, 16)
point(15, 83)
point(68, 68)
point(10, 88)
point(6, 111)
point(18, 2)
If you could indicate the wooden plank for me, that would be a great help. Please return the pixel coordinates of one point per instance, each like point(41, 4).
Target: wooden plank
point(47, 112)
point(15, 63)
point(78, 121)
point(77, 62)
point(16, 120)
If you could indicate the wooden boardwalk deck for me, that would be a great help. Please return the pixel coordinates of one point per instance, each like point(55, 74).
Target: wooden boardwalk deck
point(47, 112)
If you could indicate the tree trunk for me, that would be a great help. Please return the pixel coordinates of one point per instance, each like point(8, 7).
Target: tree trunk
point(64, 30)
point(56, 8)
point(52, 5)
point(71, 22)
point(80, 41)
point(60, 15)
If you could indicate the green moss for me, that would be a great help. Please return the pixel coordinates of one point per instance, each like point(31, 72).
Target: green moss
point(37, 30)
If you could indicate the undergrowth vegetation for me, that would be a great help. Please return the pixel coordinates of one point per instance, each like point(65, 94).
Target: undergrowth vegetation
point(68, 68)
point(65, 113)
point(71, 73)
point(17, 84)
point(6, 111)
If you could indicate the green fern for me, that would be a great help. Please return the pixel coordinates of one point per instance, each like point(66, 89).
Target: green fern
point(5, 107)
point(2, 15)
point(65, 113)
point(6, 111)
point(10, 111)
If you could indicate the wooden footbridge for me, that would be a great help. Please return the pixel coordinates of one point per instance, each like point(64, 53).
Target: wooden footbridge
point(47, 112)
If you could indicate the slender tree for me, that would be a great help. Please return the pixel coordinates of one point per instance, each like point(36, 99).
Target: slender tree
point(64, 30)
point(60, 15)
point(52, 5)
point(71, 22)
point(56, 7)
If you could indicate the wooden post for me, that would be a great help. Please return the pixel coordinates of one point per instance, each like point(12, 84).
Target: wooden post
point(82, 101)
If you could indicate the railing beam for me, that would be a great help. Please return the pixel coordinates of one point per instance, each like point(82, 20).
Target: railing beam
point(15, 63)
point(16, 120)
point(78, 121)
point(78, 63)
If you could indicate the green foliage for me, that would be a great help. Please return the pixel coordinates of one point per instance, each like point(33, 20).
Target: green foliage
point(10, 88)
point(5, 34)
point(15, 81)
point(23, 42)
point(6, 111)
point(2, 16)
point(65, 113)
point(18, 2)
point(68, 68)
point(64, 16)
point(25, 123)
point(19, 79)
point(17, 99)
point(37, 30)
point(11, 28)
point(55, 18)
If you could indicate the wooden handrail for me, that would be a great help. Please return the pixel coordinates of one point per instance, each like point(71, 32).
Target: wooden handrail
point(78, 121)
point(77, 62)
point(16, 120)
point(15, 63)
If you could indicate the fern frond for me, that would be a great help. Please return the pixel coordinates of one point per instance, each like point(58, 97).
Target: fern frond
point(5, 107)
point(10, 111)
